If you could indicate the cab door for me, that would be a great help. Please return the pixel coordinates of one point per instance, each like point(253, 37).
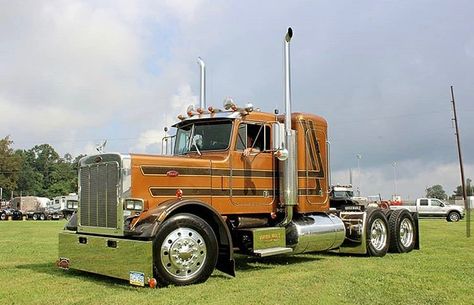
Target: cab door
point(252, 177)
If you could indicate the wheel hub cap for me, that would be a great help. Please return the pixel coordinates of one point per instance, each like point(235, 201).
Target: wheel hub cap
point(406, 232)
point(378, 234)
point(183, 252)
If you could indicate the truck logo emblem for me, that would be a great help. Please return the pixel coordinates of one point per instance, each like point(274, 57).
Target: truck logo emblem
point(172, 173)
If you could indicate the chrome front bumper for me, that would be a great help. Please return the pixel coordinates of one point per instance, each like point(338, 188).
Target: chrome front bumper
point(114, 257)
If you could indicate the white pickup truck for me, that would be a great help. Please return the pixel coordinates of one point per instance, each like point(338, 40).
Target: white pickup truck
point(431, 207)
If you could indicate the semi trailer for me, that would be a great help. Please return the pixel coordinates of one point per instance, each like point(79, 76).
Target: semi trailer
point(238, 180)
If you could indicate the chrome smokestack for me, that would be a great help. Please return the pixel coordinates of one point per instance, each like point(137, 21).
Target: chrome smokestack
point(289, 182)
point(202, 102)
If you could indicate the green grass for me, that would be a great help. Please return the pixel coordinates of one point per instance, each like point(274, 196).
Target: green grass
point(442, 272)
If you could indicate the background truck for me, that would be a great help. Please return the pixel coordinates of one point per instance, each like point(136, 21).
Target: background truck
point(432, 207)
point(63, 206)
point(7, 212)
point(238, 180)
point(31, 206)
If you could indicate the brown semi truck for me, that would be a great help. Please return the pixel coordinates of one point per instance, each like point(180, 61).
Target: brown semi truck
point(238, 180)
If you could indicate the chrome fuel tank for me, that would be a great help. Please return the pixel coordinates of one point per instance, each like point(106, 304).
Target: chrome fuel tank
point(315, 233)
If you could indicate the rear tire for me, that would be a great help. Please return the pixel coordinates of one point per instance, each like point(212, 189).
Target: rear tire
point(42, 217)
point(453, 216)
point(35, 216)
point(3, 216)
point(402, 231)
point(377, 233)
point(184, 251)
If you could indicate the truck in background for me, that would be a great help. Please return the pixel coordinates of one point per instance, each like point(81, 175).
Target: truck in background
point(63, 206)
point(32, 207)
point(432, 207)
point(238, 180)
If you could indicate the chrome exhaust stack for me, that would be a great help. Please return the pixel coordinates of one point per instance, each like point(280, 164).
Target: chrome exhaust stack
point(289, 178)
point(202, 101)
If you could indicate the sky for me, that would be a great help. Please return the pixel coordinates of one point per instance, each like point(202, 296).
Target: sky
point(75, 73)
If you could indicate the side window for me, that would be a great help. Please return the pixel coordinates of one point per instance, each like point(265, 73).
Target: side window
point(435, 203)
point(424, 202)
point(242, 137)
point(255, 136)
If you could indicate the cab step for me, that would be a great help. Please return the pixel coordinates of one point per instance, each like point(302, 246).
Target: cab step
point(272, 251)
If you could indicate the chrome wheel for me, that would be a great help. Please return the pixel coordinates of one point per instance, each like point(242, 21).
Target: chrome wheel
point(183, 253)
point(378, 234)
point(406, 232)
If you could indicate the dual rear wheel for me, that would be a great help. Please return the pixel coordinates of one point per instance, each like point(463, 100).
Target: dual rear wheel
point(394, 231)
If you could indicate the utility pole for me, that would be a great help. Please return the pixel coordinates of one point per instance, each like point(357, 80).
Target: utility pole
point(466, 206)
point(358, 156)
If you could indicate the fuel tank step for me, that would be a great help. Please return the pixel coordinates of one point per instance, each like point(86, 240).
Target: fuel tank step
point(272, 251)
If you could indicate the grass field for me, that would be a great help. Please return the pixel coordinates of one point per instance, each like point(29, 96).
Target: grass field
point(442, 272)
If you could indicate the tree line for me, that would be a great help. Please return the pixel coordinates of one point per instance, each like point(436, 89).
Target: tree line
point(38, 171)
point(437, 191)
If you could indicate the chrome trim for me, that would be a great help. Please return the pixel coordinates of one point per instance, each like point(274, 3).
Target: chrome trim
point(122, 189)
point(356, 238)
point(406, 232)
point(183, 253)
point(314, 233)
point(289, 179)
point(217, 115)
point(201, 63)
point(378, 234)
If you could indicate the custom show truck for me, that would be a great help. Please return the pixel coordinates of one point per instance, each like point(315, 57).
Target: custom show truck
point(238, 180)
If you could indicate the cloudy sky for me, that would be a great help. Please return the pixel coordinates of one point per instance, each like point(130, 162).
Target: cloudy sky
point(73, 73)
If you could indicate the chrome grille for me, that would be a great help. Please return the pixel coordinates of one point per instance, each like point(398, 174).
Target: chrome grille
point(98, 196)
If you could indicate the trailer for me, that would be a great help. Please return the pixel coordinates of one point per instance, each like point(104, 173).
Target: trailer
point(238, 180)
point(32, 207)
point(63, 206)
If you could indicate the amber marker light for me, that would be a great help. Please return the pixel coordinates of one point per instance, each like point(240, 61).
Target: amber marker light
point(179, 193)
point(152, 283)
point(211, 109)
point(181, 117)
point(200, 110)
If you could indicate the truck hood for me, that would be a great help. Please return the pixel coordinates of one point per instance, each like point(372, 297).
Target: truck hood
point(157, 178)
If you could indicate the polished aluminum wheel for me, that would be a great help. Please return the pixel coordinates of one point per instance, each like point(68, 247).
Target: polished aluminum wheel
point(378, 234)
point(406, 232)
point(453, 216)
point(183, 253)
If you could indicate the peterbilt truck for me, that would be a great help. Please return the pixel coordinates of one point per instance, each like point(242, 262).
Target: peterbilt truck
point(238, 180)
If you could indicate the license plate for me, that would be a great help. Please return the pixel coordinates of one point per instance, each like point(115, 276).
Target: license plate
point(137, 278)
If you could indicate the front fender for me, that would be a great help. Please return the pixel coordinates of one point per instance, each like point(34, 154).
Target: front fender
point(147, 226)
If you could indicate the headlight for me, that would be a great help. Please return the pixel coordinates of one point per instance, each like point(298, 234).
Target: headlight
point(133, 204)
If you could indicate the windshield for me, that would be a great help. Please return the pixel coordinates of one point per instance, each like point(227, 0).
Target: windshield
point(343, 194)
point(214, 135)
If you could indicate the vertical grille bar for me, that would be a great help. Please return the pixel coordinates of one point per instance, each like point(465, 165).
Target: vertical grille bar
point(99, 195)
point(85, 194)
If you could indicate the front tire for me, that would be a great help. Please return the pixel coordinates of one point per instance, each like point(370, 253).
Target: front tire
point(453, 216)
point(377, 233)
point(184, 251)
point(402, 232)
